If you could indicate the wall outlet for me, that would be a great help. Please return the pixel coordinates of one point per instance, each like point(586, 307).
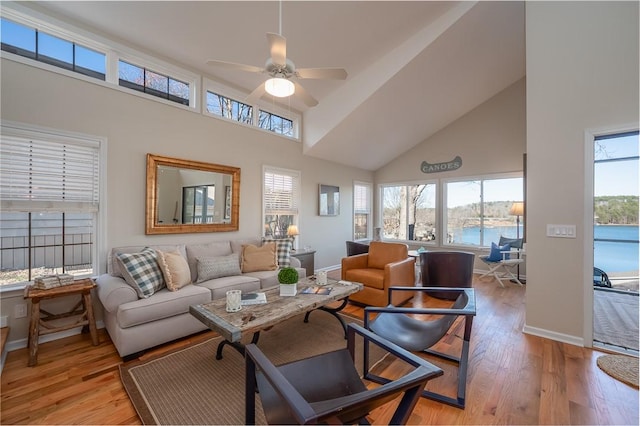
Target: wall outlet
point(20, 311)
point(3, 321)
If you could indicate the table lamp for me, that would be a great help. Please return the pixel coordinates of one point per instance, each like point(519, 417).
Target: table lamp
point(292, 231)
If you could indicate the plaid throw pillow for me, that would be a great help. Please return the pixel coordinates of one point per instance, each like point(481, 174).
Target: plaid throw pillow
point(283, 250)
point(141, 271)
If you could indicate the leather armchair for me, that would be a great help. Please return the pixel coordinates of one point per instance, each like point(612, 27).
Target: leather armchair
point(386, 265)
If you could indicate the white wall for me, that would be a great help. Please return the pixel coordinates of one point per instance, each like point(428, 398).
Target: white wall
point(489, 139)
point(134, 126)
point(582, 73)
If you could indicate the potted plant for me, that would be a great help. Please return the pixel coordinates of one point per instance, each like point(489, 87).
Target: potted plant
point(288, 278)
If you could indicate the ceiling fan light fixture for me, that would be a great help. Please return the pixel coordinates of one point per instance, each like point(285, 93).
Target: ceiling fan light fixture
point(279, 87)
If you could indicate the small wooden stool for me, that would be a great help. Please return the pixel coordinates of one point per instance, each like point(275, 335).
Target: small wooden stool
point(83, 309)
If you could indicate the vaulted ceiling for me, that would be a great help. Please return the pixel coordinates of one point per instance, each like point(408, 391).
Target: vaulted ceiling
point(413, 67)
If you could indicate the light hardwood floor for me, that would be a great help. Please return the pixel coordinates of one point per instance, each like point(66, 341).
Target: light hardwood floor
point(513, 378)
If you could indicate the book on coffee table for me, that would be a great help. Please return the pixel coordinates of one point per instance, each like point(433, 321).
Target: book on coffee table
point(317, 290)
point(253, 299)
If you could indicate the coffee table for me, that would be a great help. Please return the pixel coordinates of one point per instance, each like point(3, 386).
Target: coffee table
point(255, 318)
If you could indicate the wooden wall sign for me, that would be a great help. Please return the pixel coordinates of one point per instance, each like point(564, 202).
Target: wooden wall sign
point(447, 166)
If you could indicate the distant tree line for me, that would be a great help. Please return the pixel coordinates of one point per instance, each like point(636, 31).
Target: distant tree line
point(616, 209)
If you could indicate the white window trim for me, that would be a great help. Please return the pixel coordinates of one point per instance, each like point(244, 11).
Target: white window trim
point(369, 185)
point(298, 200)
point(114, 52)
point(209, 85)
point(99, 250)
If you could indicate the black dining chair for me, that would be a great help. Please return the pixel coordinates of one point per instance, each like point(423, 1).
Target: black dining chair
point(401, 326)
point(327, 388)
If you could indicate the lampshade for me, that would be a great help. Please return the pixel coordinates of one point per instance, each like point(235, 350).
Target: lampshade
point(279, 87)
point(292, 231)
point(517, 209)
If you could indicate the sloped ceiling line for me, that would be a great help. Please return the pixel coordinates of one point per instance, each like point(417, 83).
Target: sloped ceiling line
point(319, 121)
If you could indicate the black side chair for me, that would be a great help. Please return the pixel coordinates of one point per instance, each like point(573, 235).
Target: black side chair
point(419, 335)
point(327, 388)
point(446, 269)
point(354, 248)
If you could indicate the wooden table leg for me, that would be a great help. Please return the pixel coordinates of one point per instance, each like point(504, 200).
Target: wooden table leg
point(34, 328)
point(88, 306)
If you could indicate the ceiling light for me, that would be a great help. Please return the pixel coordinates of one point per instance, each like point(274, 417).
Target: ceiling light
point(279, 87)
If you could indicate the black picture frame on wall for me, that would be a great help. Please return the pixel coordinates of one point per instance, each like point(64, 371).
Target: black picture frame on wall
point(328, 200)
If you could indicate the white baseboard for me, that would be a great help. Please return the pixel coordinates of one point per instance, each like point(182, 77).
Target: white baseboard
point(552, 335)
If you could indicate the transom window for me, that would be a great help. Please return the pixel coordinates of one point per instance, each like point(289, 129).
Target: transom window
point(143, 80)
point(40, 46)
point(275, 123)
point(74, 52)
point(229, 108)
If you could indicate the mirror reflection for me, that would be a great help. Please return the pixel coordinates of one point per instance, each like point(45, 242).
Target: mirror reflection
point(189, 196)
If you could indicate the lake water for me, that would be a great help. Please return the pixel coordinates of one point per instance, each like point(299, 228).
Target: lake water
point(608, 256)
point(614, 256)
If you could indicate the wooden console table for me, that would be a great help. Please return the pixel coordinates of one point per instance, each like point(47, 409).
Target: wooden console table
point(38, 323)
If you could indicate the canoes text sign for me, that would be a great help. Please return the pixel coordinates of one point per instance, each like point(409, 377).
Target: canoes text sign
point(447, 166)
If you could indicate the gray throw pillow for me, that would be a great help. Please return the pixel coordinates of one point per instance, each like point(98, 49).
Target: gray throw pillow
point(216, 267)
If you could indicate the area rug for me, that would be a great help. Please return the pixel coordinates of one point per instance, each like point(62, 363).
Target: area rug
point(189, 386)
point(620, 367)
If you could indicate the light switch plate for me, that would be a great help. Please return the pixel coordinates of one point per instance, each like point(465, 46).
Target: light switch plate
point(561, 231)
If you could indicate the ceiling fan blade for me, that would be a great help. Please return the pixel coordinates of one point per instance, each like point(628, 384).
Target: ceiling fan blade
point(322, 73)
point(305, 96)
point(255, 95)
point(278, 48)
point(231, 65)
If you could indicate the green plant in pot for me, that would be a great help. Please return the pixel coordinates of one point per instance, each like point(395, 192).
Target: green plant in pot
point(288, 278)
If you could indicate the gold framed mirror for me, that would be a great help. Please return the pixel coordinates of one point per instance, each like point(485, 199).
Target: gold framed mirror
point(185, 196)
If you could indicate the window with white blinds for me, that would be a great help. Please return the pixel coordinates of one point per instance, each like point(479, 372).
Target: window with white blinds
point(281, 200)
point(281, 191)
point(50, 200)
point(361, 210)
point(39, 175)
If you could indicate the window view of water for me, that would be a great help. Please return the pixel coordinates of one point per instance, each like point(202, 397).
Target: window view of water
point(471, 234)
point(616, 256)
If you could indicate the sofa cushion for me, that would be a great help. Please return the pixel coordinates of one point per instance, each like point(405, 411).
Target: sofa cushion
point(175, 269)
point(259, 258)
point(163, 304)
point(194, 251)
point(216, 267)
point(141, 271)
point(283, 250)
point(219, 286)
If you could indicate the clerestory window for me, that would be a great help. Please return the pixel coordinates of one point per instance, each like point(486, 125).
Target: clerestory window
point(40, 46)
point(153, 83)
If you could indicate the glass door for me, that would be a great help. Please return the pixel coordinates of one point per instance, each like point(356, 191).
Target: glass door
point(615, 242)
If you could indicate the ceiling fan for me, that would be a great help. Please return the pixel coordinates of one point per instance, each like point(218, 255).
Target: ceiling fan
point(281, 71)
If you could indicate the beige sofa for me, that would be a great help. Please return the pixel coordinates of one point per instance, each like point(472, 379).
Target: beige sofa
point(135, 324)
